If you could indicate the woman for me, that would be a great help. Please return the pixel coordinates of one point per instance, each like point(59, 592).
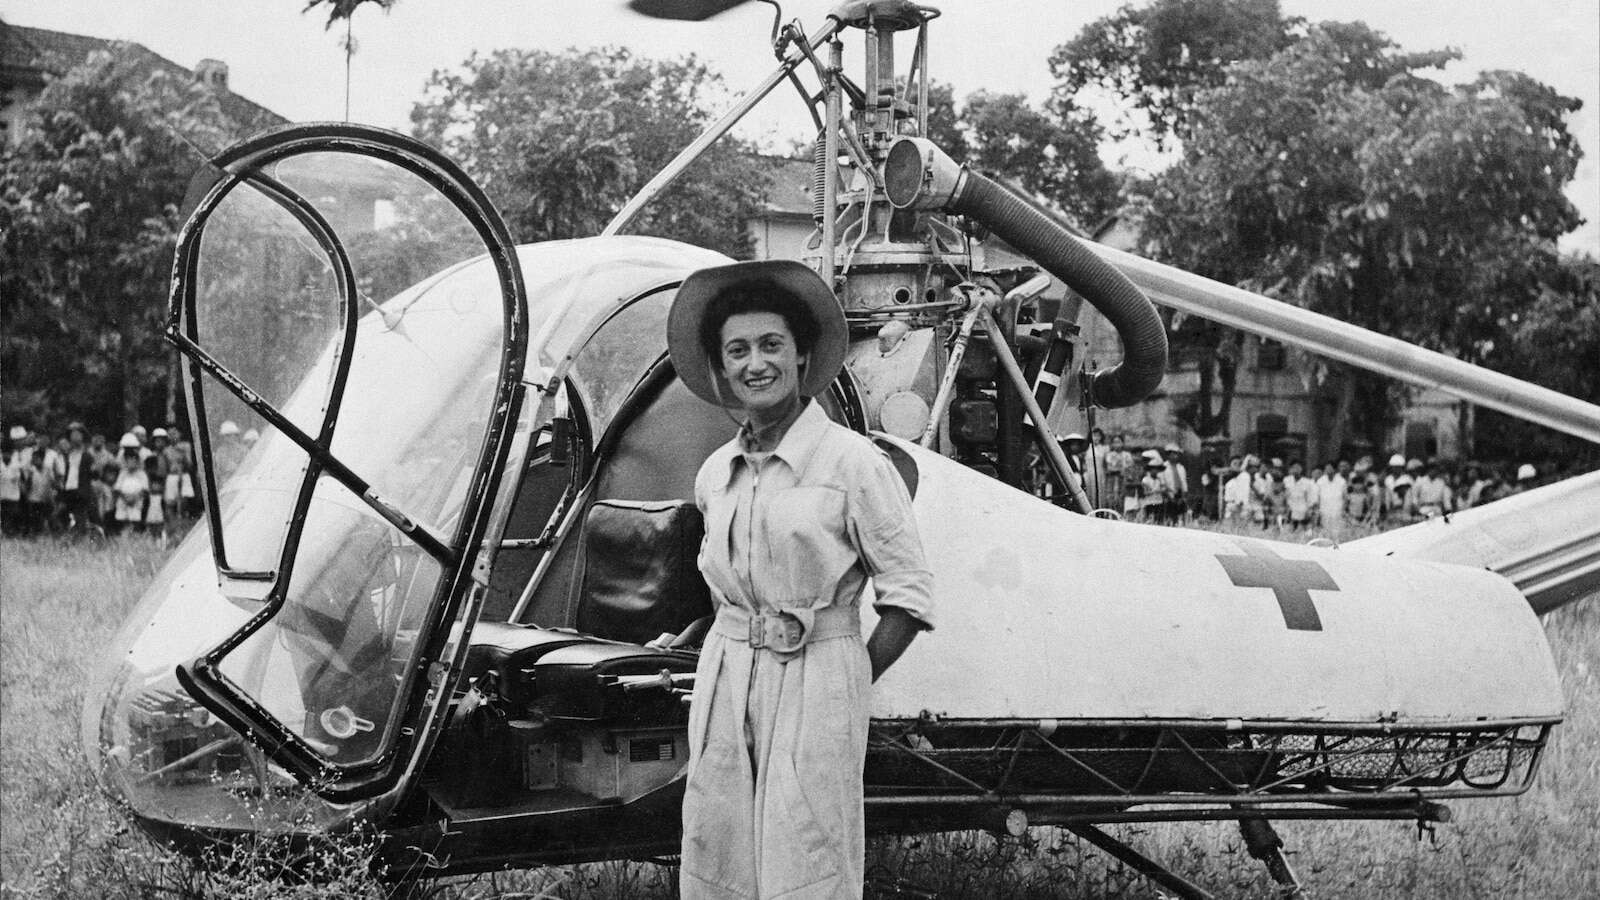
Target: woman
point(800, 513)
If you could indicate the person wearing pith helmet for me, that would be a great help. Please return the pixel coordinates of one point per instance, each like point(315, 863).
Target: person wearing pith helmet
point(1396, 484)
point(1526, 475)
point(1045, 484)
point(1154, 497)
point(795, 506)
point(1176, 478)
point(1073, 445)
point(132, 486)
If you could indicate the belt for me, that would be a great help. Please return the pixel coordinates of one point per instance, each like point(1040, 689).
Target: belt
point(786, 631)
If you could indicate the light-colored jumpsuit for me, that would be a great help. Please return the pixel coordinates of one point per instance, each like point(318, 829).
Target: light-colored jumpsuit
point(778, 733)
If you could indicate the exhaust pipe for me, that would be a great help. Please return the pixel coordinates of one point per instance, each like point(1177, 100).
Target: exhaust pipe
point(918, 175)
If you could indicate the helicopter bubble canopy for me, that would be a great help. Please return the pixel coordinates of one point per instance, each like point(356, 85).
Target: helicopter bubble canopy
point(353, 322)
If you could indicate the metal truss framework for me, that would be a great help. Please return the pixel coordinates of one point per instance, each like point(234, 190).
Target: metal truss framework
point(1115, 765)
point(1009, 774)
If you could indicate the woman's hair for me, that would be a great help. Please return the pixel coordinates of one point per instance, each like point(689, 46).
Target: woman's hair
point(761, 295)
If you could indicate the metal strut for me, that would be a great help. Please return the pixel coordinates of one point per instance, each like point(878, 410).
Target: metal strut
point(1140, 863)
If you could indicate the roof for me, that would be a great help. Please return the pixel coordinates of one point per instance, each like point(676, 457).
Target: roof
point(32, 55)
point(789, 185)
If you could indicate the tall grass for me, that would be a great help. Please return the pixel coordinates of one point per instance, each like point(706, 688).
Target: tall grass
point(61, 601)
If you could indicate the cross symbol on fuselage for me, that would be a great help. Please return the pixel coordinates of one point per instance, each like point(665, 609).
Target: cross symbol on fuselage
point(1291, 580)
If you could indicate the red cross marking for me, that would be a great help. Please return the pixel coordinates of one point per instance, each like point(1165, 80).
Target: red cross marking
point(1291, 580)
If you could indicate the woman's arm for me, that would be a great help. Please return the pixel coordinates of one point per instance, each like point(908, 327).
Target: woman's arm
point(895, 631)
point(883, 530)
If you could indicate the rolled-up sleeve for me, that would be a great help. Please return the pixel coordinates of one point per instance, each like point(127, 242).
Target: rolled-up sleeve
point(884, 530)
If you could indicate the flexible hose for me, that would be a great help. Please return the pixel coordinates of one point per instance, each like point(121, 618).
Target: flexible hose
point(1035, 234)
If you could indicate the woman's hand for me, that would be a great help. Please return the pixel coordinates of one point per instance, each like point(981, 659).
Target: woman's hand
point(895, 631)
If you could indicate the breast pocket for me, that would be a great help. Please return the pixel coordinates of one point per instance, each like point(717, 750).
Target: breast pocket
point(807, 545)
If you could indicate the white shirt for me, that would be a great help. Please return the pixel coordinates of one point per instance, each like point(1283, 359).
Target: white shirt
point(1237, 490)
point(1330, 491)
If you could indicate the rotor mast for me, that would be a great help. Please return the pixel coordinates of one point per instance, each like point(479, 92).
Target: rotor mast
point(886, 241)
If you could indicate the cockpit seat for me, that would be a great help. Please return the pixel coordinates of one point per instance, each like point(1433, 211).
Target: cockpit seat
point(640, 577)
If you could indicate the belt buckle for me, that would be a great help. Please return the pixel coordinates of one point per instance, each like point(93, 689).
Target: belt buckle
point(780, 632)
point(788, 633)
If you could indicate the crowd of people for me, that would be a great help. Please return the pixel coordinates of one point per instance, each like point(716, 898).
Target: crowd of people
point(75, 481)
point(1155, 484)
point(147, 483)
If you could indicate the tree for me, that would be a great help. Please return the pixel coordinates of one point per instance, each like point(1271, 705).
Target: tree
point(1561, 322)
point(89, 211)
point(561, 140)
point(1161, 56)
point(1334, 176)
point(1053, 155)
point(1047, 154)
point(345, 9)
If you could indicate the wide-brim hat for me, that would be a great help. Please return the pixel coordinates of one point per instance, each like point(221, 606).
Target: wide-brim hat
point(826, 357)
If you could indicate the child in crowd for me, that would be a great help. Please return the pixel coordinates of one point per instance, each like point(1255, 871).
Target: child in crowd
point(132, 487)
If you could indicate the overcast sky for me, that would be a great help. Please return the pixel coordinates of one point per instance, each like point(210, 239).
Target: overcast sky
point(284, 59)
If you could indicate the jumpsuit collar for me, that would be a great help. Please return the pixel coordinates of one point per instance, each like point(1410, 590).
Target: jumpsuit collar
point(797, 444)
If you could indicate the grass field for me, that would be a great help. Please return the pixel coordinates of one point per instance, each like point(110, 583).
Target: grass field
point(61, 601)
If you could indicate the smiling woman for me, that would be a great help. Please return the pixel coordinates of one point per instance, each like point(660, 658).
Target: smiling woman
point(800, 513)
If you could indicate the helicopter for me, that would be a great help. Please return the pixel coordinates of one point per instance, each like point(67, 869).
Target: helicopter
point(451, 593)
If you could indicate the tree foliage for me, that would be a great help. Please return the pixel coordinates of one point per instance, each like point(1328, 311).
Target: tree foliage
point(1335, 176)
point(1560, 324)
point(1160, 56)
point(89, 211)
point(1051, 155)
point(344, 9)
point(561, 140)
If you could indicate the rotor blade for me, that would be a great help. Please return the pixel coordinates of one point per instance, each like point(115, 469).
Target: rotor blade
point(1546, 540)
point(1327, 336)
point(683, 10)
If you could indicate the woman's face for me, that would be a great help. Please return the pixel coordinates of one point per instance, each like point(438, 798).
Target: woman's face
point(760, 359)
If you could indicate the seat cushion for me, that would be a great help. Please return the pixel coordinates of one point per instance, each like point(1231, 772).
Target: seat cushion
point(640, 578)
point(509, 652)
